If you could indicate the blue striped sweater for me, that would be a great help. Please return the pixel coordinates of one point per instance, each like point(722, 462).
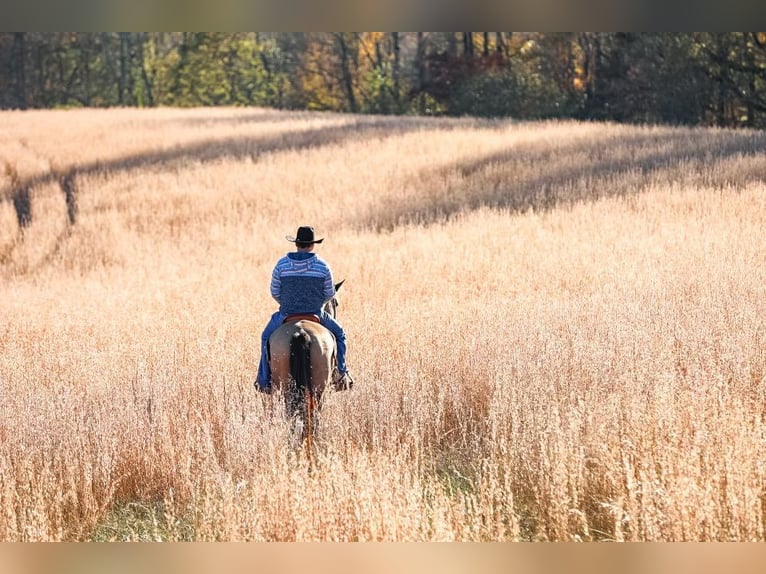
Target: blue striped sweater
point(301, 283)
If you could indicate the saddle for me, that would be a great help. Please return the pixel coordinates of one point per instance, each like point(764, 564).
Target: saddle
point(294, 318)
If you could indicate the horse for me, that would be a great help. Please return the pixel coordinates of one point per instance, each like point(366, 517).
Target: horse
point(302, 357)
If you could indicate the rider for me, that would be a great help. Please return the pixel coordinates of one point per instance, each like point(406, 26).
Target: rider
point(302, 283)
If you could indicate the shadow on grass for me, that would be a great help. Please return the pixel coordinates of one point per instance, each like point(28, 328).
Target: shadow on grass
point(239, 148)
point(357, 128)
point(557, 173)
point(575, 171)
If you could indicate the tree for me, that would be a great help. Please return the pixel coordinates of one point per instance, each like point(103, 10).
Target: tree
point(420, 73)
point(346, 56)
point(734, 64)
point(318, 74)
point(396, 71)
point(709, 78)
point(468, 44)
point(124, 64)
point(18, 66)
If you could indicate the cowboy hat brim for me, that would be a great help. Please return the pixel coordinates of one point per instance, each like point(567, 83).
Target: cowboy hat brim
point(296, 240)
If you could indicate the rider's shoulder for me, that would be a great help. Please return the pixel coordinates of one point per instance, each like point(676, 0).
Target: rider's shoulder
point(321, 262)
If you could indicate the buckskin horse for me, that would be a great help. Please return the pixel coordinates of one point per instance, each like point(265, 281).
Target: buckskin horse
point(302, 360)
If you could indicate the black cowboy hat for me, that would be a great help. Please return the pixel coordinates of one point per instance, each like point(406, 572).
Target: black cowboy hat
point(305, 235)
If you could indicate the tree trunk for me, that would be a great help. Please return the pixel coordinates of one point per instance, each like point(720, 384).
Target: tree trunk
point(84, 41)
point(18, 63)
point(485, 47)
point(721, 103)
point(345, 68)
point(591, 60)
point(177, 87)
point(420, 57)
point(41, 96)
point(61, 69)
point(396, 73)
point(144, 74)
point(751, 86)
point(500, 44)
point(124, 39)
point(468, 44)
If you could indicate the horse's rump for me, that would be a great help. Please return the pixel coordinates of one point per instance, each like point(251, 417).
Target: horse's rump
point(321, 348)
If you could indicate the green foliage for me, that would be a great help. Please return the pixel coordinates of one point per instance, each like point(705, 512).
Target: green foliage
point(677, 78)
point(508, 94)
point(379, 88)
point(426, 105)
point(213, 69)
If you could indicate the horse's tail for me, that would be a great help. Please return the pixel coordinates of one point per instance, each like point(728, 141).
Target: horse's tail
point(300, 362)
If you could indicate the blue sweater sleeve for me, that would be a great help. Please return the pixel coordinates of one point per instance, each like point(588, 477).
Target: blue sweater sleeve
point(329, 286)
point(276, 283)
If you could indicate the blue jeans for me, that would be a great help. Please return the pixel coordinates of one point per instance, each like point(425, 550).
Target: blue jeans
point(264, 371)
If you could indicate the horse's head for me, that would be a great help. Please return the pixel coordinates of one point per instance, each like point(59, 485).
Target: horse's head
point(331, 307)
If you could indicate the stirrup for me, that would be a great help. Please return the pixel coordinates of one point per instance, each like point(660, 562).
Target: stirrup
point(344, 382)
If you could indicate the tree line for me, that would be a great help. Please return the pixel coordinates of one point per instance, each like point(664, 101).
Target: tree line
point(677, 78)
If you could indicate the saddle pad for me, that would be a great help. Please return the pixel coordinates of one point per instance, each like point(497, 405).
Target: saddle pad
point(301, 317)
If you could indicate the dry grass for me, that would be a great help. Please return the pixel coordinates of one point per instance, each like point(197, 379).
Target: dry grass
point(556, 329)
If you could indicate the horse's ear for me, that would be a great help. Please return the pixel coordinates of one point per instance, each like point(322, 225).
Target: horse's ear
point(337, 285)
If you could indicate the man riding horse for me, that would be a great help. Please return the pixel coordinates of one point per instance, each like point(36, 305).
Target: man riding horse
point(302, 283)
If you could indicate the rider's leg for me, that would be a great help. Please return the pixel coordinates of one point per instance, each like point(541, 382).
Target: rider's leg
point(264, 371)
point(340, 339)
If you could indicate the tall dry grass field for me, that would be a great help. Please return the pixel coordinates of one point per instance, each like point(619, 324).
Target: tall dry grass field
point(557, 329)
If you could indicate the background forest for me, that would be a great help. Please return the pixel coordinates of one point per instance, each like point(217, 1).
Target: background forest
point(714, 79)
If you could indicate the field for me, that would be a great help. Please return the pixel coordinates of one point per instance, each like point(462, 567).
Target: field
point(556, 329)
